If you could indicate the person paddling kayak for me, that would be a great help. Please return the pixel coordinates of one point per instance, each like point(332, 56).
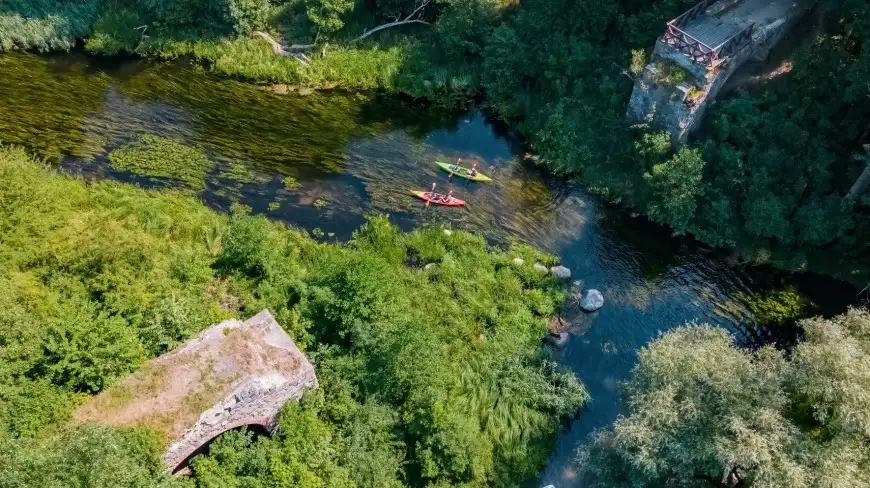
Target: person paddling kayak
point(473, 171)
point(454, 168)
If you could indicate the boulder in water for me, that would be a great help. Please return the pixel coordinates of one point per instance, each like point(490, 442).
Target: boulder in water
point(541, 268)
point(592, 300)
point(561, 272)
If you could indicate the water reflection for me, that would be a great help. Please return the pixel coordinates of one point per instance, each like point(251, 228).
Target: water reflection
point(353, 154)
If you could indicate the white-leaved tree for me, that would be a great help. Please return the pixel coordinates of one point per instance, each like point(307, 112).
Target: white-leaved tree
point(702, 412)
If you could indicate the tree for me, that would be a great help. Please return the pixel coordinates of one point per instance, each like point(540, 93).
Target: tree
point(676, 185)
point(327, 15)
point(702, 412)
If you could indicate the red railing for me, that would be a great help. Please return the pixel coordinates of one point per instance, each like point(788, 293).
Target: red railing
point(699, 53)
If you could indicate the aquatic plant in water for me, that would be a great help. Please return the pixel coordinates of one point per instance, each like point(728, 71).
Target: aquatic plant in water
point(291, 183)
point(779, 307)
point(163, 159)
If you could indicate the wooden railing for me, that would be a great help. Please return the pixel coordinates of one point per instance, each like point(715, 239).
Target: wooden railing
point(702, 54)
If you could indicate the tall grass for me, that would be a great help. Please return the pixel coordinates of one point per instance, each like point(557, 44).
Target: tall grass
point(44, 25)
point(253, 59)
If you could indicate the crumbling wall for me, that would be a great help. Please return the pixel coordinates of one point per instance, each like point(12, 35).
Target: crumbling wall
point(230, 375)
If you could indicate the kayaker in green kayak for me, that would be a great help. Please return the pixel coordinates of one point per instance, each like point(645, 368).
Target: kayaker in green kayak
point(456, 169)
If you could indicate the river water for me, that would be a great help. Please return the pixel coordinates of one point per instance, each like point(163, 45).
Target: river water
point(349, 154)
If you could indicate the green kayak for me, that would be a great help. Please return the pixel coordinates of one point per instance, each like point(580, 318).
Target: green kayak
point(463, 172)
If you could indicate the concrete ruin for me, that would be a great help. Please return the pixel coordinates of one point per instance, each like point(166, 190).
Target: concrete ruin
point(697, 54)
point(231, 375)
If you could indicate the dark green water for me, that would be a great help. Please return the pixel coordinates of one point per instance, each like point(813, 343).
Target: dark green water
point(355, 154)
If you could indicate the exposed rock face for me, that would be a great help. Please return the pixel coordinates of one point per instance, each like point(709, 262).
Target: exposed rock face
point(592, 300)
point(561, 272)
point(680, 106)
point(231, 375)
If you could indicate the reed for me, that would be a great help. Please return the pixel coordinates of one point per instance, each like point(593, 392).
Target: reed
point(44, 25)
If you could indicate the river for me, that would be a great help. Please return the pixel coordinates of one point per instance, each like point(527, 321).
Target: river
point(351, 154)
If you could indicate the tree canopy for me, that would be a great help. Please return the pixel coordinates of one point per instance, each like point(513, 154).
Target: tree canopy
point(702, 412)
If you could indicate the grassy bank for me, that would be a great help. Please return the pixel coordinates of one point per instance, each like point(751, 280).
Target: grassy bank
point(416, 390)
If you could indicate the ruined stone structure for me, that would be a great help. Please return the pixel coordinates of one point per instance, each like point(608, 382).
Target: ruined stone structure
point(699, 51)
point(233, 374)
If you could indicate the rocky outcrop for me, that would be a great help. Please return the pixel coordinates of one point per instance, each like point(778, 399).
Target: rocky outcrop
point(231, 375)
point(592, 300)
point(699, 51)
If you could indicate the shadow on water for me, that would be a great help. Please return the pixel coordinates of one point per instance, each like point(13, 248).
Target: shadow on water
point(325, 161)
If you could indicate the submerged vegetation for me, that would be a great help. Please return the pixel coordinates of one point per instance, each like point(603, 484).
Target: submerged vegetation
point(415, 390)
point(164, 159)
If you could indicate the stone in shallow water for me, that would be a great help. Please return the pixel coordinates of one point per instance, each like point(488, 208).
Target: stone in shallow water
point(592, 300)
point(558, 339)
point(561, 272)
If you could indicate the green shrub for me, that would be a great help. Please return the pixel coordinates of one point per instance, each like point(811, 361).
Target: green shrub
point(115, 31)
point(249, 15)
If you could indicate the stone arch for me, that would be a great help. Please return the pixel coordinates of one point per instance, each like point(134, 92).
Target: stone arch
point(183, 465)
point(242, 372)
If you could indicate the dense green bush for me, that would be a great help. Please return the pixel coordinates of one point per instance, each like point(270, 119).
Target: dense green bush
point(249, 15)
point(86, 456)
point(428, 376)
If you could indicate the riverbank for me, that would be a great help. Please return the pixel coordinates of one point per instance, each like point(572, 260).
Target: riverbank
point(97, 278)
point(749, 184)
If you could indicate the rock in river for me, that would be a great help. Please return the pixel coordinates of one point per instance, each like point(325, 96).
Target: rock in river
point(558, 339)
point(592, 300)
point(561, 272)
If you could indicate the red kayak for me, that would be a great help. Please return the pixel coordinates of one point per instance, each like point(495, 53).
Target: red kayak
point(438, 198)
